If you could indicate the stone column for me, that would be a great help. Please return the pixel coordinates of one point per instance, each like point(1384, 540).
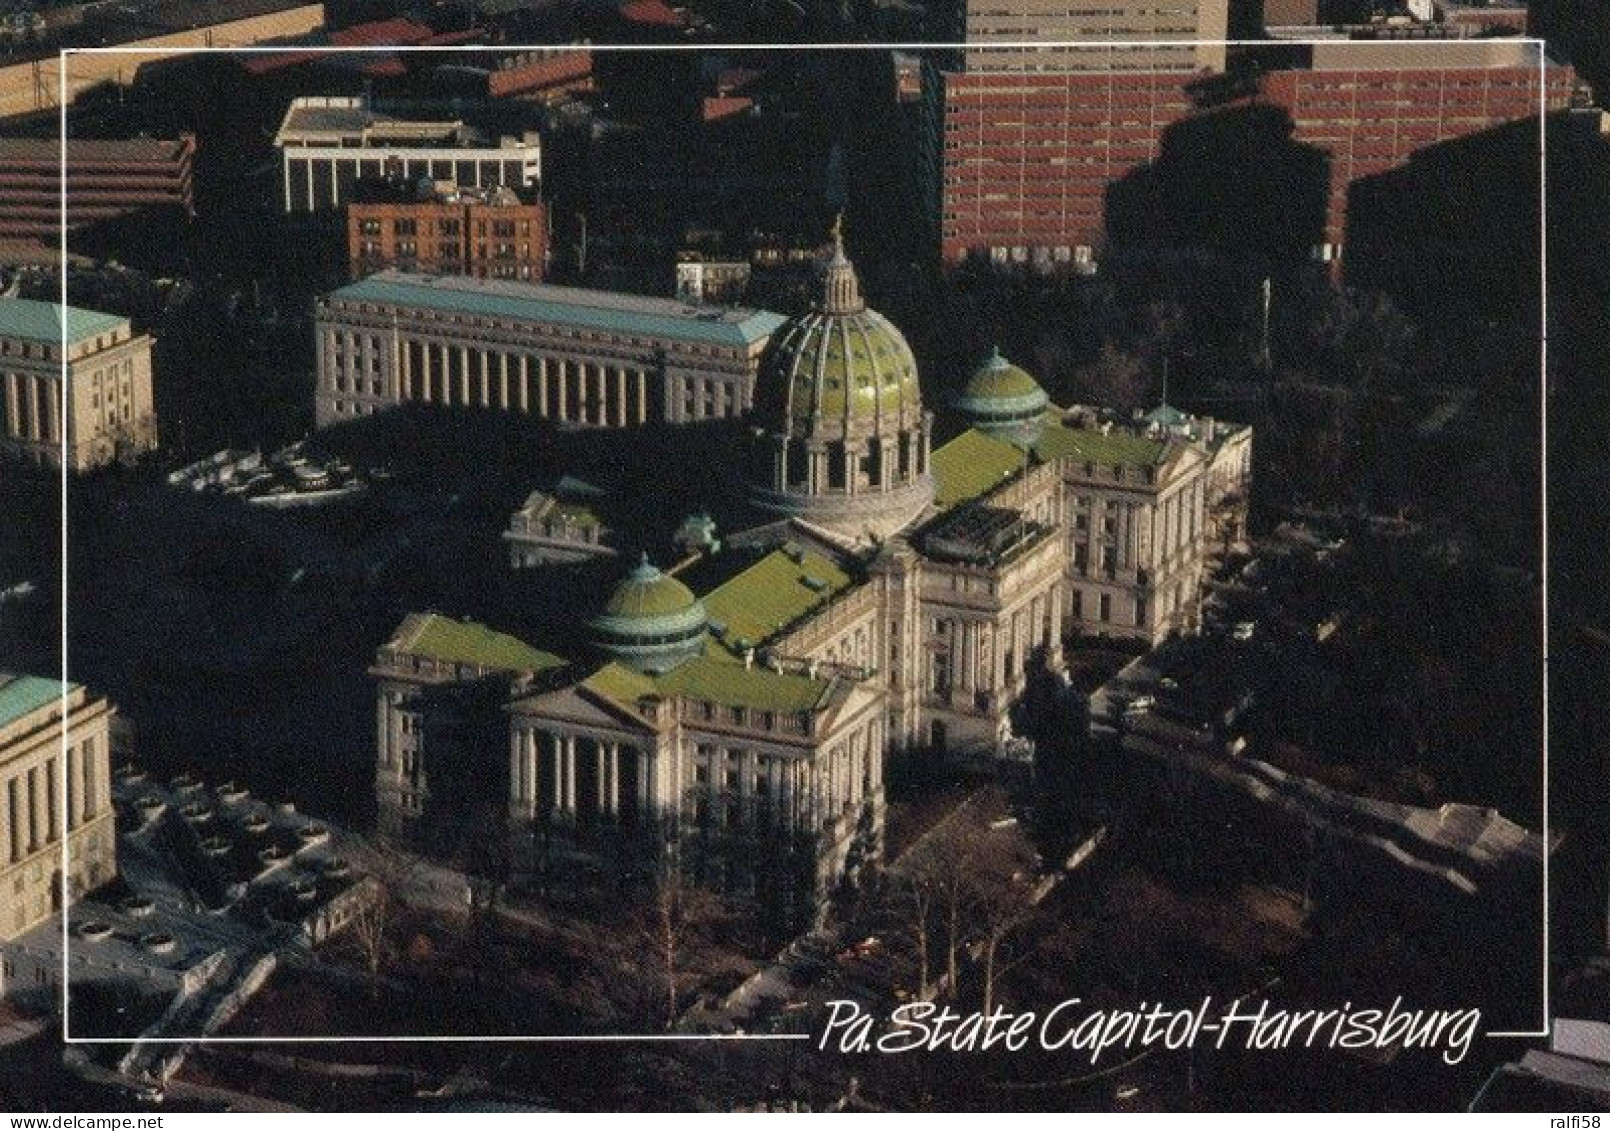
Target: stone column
point(52, 411)
point(542, 387)
point(601, 381)
point(561, 366)
point(525, 384)
point(97, 787)
point(445, 386)
point(964, 652)
point(464, 376)
point(35, 417)
point(38, 808)
point(615, 779)
point(503, 380)
point(75, 787)
point(517, 774)
point(13, 407)
point(533, 777)
point(7, 848)
point(570, 776)
point(556, 751)
point(642, 397)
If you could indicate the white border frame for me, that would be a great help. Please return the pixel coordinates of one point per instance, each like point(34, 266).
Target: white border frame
point(1546, 1022)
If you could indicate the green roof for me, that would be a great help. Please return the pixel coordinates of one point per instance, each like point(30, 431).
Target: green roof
point(715, 678)
point(1086, 444)
point(576, 513)
point(567, 306)
point(971, 465)
point(1167, 416)
point(772, 594)
point(465, 642)
point(621, 683)
point(22, 695)
point(42, 321)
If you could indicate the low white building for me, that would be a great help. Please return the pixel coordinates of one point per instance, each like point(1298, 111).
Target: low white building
point(327, 144)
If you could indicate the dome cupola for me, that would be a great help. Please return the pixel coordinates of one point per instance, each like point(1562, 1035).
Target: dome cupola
point(1004, 401)
point(651, 622)
point(844, 435)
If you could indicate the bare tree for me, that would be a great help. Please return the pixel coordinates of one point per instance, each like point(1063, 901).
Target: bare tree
point(990, 885)
point(390, 874)
point(1116, 379)
point(917, 897)
point(370, 928)
point(675, 917)
point(1004, 910)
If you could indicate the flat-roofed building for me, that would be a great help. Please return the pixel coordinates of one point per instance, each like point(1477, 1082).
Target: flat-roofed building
point(1116, 35)
point(1135, 517)
point(562, 525)
point(557, 353)
point(39, 770)
point(441, 229)
point(110, 413)
point(328, 144)
point(106, 179)
point(1031, 158)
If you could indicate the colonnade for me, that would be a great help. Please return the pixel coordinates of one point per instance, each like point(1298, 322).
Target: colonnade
point(551, 388)
point(30, 810)
point(546, 775)
point(33, 411)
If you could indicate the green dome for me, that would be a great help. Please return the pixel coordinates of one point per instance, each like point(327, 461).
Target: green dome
point(842, 438)
point(647, 592)
point(651, 621)
point(839, 362)
point(1003, 400)
point(842, 366)
point(998, 379)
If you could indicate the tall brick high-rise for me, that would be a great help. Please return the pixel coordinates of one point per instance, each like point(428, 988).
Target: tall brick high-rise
point(1031, 157)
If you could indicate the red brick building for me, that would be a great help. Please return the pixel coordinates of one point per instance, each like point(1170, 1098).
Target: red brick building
point(1029, 158)
point(490, 235)
point(106, 179)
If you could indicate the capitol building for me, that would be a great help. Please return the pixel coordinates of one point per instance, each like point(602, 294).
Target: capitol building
point(732, 703)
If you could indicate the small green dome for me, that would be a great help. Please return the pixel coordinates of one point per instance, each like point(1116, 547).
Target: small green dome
point(647, 592)
point(1002, 399)
point(651, 621)
point(999, 380)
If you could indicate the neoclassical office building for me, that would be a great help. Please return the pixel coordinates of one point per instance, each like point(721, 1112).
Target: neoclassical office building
point(110, 412)
point(33, 773)
point(566, 354)
point(734, 704)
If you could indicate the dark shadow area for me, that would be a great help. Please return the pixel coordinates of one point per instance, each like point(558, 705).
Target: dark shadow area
point(1232, 181)
point(1453, 237)
point(1579, 501)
